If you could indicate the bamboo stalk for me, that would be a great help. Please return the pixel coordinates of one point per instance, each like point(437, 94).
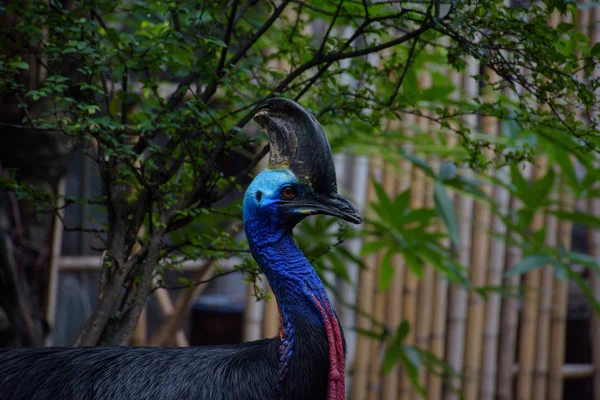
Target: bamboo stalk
point(166, 307)
point(559, 307)
point(479, 261)
point(411, 281)
point(440, 311)
point(594, 243)
point(271, 320)
point(424, 319)
point(510, 314)
point(497, 257)
point(594, 235)
point(360, 179)
point(458, 294)
point(495, 270)
point(425, 306)
point(529, 314)
point(374, 387)
point(366, 284)
point(253, 315)
point(389, 384)
point(544, 317)
point(54, 270)
point(173, 322)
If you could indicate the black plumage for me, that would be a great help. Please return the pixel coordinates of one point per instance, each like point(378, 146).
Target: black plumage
point(247, 371)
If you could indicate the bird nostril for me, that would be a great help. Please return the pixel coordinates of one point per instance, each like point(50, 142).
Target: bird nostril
point(258, 195)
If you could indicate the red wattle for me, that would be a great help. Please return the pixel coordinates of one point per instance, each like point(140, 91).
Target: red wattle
point(337, 377)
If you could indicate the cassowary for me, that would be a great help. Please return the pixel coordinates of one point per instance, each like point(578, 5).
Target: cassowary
point(306, 360)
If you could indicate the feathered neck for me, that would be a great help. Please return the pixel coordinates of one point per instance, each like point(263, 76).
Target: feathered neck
point(299, 293)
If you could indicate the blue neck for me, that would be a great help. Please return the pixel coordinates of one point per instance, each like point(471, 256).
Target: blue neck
point(291, 277)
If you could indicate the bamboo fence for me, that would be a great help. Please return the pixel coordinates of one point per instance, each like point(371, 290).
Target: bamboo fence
point(500, 347)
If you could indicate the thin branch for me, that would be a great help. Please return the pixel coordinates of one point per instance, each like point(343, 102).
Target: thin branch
point(196, 283)
point(404, 71)
point(77, 228)
point(337, 12)
point(227, 36)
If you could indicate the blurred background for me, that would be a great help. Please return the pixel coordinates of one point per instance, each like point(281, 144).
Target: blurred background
point(466, 132)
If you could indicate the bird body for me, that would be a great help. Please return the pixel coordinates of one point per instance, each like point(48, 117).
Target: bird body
point(305, 361)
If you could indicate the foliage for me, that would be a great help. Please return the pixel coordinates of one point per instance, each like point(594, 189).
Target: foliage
point(159, 95)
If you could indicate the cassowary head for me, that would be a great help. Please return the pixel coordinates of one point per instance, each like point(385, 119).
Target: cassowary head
point(300, 179)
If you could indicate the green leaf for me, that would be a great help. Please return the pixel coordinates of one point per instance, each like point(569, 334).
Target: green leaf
point(529, 264)
point(445, 209)
point(578, 217)
point(566, 169)
point(521, 185)
point(541, 189)
point(386, 271)
point(20, 65)
point(372, 247)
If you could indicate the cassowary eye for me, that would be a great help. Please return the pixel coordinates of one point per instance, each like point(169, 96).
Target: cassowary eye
point(288, 192)
point(258, 195)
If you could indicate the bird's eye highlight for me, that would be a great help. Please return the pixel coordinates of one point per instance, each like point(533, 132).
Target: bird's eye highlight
point(288, 192)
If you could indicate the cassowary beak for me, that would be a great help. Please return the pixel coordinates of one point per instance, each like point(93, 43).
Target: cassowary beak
point(335, 205)
point(299, 143)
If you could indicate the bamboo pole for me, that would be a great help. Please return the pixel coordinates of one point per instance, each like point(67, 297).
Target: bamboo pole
point(366, 284)
point(544, 316)
point(594, 235)
point(374, 387)
point(271, 320)
point(529, 313)
point(594, 243)
point(510, 313)
point(166, 307)
point(559, 307)
point(394, 294)
point(480, 258)
point(173, 322)
point(495, 270)
point(54, 270)
point(253, 315)
point(426, 290)
point(497, 259)
point(440, 312)
point(560, 298)
point(458, 303)
point(411, 281)
point(360, 179)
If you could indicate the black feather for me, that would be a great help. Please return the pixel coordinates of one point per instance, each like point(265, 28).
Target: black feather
point(246, 371)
